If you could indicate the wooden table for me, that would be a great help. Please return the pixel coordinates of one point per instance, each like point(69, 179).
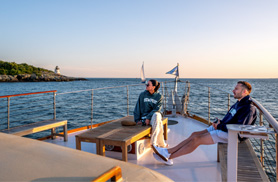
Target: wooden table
point(115, 134)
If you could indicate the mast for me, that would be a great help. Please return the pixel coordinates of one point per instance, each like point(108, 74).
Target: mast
point(176, 79)
point(142, 74)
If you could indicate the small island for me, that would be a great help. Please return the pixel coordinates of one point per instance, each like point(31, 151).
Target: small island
point(13, 72)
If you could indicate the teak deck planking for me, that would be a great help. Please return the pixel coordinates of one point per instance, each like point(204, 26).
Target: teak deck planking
point(249, 168)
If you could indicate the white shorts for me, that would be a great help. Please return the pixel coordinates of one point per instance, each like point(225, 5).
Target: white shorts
point(218, 135)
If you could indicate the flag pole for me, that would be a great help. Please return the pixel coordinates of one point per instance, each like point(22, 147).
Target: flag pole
point(176, 79)
point(174, 71)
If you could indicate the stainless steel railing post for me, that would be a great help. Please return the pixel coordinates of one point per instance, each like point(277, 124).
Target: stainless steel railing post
point(262, 142)
point(164, 95)
point(188, 92)
point(276, 144)
point(54, 105)
point(8, 112)
point(228, 102)
point(209, 104)
point(127, 99)
point(92, 102)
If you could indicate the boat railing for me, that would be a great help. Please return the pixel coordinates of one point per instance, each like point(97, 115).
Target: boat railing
point(26, 108)
point(197, 99)
point(92, 106)
point(266, 150)
point(81, 108)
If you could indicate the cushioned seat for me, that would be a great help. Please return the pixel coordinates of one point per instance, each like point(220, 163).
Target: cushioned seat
point(24, 159)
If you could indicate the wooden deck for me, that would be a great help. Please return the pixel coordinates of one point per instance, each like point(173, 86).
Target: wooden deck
point(249, 168)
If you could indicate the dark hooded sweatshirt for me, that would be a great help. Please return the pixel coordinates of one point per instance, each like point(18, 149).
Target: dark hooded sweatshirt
point(147, 105)
point(242, 112)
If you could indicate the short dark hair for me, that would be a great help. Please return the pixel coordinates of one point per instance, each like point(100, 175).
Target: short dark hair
point(246, 85)
point(156, 84)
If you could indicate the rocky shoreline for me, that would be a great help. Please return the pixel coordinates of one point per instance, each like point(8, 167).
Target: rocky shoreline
point(44, 77)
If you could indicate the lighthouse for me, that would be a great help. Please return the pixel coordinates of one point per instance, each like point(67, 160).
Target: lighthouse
point(57, 70)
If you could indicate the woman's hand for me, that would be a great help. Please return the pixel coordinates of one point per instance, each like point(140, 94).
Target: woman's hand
point(139, 123)
point(147, 121)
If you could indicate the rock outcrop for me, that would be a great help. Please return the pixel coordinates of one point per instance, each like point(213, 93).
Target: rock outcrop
point(44, 77)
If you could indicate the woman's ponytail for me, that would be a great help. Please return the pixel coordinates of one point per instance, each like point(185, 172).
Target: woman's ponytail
point(156, 84)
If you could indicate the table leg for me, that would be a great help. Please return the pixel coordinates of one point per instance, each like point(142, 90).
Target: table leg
point(124, 151)
point(65, 133)
point(100, 147)
point(53, 132)
point(232, 156)
point(78, 143)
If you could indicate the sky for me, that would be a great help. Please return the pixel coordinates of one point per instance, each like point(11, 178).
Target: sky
point(112, 38)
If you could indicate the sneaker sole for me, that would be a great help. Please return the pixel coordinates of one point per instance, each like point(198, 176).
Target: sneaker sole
point(165, 162)
point(162, 157)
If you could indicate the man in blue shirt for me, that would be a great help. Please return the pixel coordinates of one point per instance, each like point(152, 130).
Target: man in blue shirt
point(242, 112)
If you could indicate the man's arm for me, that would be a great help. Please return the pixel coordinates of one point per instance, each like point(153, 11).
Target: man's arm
point(243, 116)
point(248, 117)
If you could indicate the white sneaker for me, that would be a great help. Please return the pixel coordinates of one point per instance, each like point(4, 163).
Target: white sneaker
point(161, 152)
point(169, 162)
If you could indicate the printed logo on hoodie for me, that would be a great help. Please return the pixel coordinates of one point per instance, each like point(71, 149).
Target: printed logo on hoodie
point(232, 112)
point(150, 100)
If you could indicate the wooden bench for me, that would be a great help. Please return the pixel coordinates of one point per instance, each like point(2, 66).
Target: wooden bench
point(40, 126)
point(115, 134)
point(249, 167)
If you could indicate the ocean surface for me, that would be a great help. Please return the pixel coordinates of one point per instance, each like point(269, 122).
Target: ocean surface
point(74, 99)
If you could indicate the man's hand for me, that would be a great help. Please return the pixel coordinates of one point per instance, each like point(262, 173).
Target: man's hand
point(215, 124)
point(139, 123)
point(147, 121)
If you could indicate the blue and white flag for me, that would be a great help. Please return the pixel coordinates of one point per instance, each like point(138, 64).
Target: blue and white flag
point(174, 71)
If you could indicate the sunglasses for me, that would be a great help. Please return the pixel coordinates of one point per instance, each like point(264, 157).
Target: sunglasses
point(147, 85)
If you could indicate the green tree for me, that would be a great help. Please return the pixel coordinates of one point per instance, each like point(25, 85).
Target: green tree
point(21, 69)
point(13, 68)
point(3, 71)
point(13, 72)
point(7, 66)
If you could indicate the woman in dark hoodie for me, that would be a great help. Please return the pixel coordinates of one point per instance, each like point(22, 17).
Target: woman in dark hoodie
point(148, 112)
